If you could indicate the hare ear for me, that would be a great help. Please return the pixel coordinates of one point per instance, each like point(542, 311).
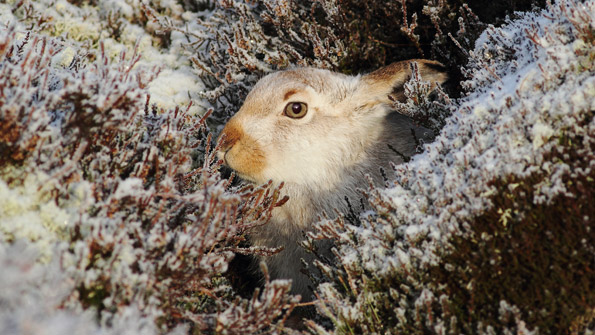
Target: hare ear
point(389, 80)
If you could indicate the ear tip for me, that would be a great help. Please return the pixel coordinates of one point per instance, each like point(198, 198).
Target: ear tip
point(427, 67)
point(435, 66)
point(432, 70)
point(392, 77)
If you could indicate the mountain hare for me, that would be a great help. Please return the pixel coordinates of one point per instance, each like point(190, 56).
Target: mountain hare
point(319, 132)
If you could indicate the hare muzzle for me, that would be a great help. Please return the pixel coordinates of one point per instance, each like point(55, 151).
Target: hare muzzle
point(241, 152)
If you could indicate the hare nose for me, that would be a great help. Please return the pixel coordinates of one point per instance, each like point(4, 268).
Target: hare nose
point(230, 136)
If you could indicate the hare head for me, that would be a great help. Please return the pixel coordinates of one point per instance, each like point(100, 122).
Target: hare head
point(319, 132)
point(306, 126)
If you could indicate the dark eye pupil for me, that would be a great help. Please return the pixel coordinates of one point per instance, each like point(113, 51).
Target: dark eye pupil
point(295, 110)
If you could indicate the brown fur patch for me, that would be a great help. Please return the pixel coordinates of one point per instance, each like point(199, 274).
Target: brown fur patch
point(397, 73)
point(289, 93)
point(388, 72)
point(243, 153)
point(390, 79)
point(231, 133)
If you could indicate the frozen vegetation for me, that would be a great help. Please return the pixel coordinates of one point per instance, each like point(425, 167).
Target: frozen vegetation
point(115, 218)
point(520, 140)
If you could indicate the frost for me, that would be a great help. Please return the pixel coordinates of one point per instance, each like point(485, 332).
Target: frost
point(541, 134)
point(64, 58)
point(521, 137)
point(114, 218)
point(129, 187)
point(173, 88)
point(32, 293)
point(119, 193)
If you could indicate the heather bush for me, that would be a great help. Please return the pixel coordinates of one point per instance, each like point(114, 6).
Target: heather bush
point(240, 41)
point(490, 229)
point(114, 217)
point(122, 197)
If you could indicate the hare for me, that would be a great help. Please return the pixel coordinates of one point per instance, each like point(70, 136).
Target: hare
point(319, 133)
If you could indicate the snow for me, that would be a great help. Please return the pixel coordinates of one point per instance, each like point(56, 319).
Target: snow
point(173, 88)
point(541, 134)
point(129, 187)
point(32, 293)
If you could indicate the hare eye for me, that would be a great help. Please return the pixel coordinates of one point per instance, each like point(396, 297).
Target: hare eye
point(296, 110)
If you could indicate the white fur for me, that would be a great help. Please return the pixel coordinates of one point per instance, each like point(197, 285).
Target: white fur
point(321, 158)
